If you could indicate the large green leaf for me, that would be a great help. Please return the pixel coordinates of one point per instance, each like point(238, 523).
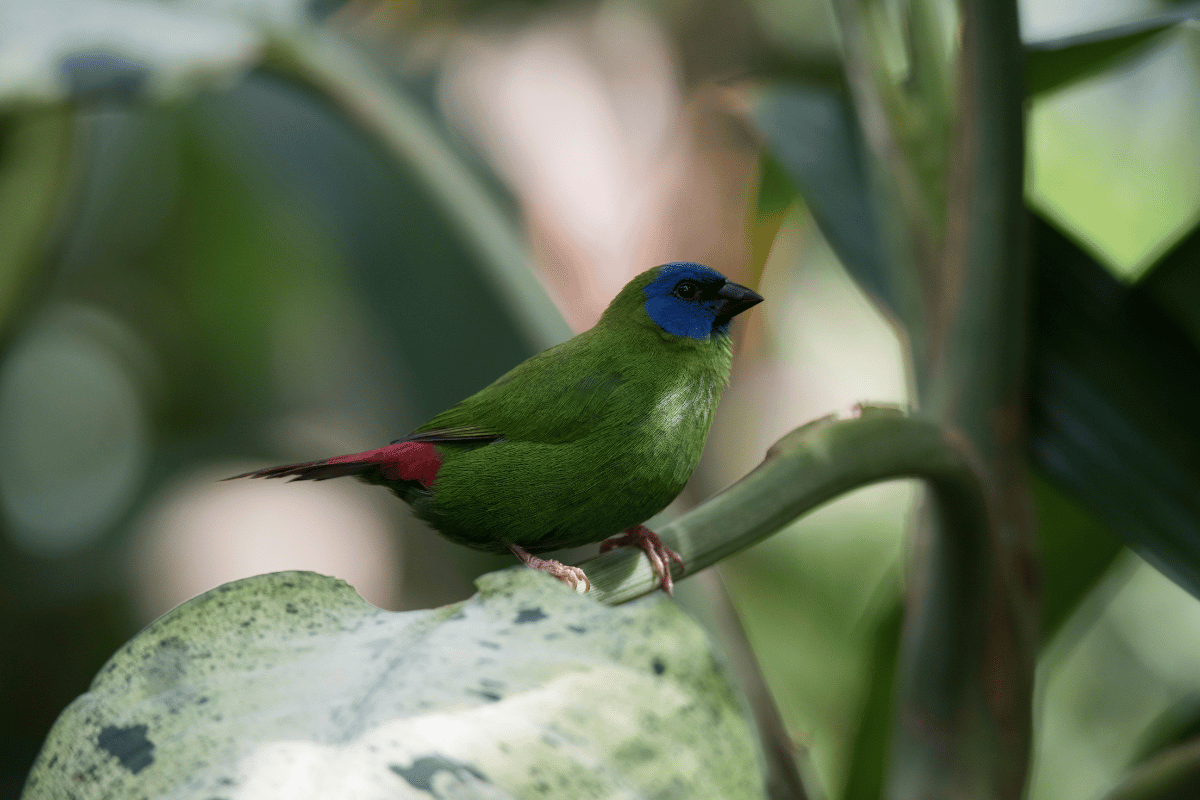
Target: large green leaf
point(796, 123)
point(1053, 63)
point(289, 685)
point(58, 51)
point(812, 133)
point(1113, 422)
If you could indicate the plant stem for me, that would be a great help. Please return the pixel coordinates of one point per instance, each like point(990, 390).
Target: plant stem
point(810, 466)
point(965, 674)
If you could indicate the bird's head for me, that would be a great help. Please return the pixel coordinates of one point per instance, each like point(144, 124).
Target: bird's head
point(687, 299)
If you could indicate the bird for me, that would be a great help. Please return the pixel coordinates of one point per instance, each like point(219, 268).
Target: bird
point(587, 439)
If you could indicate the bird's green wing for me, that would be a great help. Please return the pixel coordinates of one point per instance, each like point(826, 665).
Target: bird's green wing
point(563, 394)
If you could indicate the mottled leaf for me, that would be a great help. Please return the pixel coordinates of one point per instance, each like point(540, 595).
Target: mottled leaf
point(53, 50)
point(291, 686)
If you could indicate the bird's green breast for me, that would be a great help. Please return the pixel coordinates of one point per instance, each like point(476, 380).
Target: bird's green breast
point(606, 430)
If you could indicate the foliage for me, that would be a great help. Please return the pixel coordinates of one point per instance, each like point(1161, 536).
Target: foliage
point(1051, 423)
point(291, 685)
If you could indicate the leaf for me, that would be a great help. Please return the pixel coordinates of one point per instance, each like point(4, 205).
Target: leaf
point(1175, 283)
point(1171, 775)
point(869, 755)
point(1052, 63)
point(35, 150)
point(1075, 550)
point(1113, 418)
point(53, 50)
point(369, 98)
point(812, 133)
point(288, 684)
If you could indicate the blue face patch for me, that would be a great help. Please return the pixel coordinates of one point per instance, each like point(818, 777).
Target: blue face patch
point(683, 300)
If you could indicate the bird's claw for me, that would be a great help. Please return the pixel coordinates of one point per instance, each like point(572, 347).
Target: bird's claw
point(659, 554)
point(571, 576)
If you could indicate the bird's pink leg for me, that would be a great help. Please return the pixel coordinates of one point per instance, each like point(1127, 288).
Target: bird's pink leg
point(659, 554)
point(571, 576)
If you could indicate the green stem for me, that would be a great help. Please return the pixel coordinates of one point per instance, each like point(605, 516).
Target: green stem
point(964, 686)
point(810, 466)
point(334, 68)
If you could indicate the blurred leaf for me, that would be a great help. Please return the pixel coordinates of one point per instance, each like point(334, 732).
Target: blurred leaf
point(35, 149)
point(1179, 724)
point(775, 196)
point(1113, 418)
point(869, 758)
point(366, 96)
point(1075, 551)
point(812, 133)
point(775, 190)
point(55, 50)
point(1175, 283)
point(1171, 775)
point(1053, 63)
point(283, 685)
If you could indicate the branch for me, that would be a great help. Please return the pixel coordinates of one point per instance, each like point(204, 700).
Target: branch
point(810, 466)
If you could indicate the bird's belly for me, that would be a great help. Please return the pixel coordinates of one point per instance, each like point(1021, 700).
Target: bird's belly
point(549, 496)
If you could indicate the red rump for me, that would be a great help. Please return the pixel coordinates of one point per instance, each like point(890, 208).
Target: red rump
point(402, 461)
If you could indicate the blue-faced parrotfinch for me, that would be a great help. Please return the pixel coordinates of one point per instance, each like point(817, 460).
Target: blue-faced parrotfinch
point(582, 441)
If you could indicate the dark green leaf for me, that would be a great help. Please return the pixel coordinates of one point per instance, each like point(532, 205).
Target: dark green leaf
point(1053, 63)
point(35, 149)
point(1175, 283)
point(1113, 420)
point(1075, 551)
point(1171, 775)
point(813, 134)
point(1177, 725)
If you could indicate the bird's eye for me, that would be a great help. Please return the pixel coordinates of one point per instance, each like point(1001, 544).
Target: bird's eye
point(686, 290)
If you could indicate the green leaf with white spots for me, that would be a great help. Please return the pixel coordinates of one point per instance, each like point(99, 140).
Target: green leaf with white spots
point(52, 50)
point(290, 685)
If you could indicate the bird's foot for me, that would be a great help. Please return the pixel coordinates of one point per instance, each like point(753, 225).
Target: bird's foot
point(571, 576)
point(659, 554)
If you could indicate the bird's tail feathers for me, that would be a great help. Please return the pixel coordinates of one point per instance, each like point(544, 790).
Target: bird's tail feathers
point(400, 461)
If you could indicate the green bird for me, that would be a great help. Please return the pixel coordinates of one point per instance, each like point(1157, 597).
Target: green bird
point(582, 441)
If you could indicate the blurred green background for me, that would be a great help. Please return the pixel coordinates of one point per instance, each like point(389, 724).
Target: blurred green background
point(214, 258)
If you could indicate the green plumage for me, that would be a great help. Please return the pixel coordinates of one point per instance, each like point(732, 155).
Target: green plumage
point(599, 433)
point(583, 441)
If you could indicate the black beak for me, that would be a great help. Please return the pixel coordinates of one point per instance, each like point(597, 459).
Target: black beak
point(737, 299)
